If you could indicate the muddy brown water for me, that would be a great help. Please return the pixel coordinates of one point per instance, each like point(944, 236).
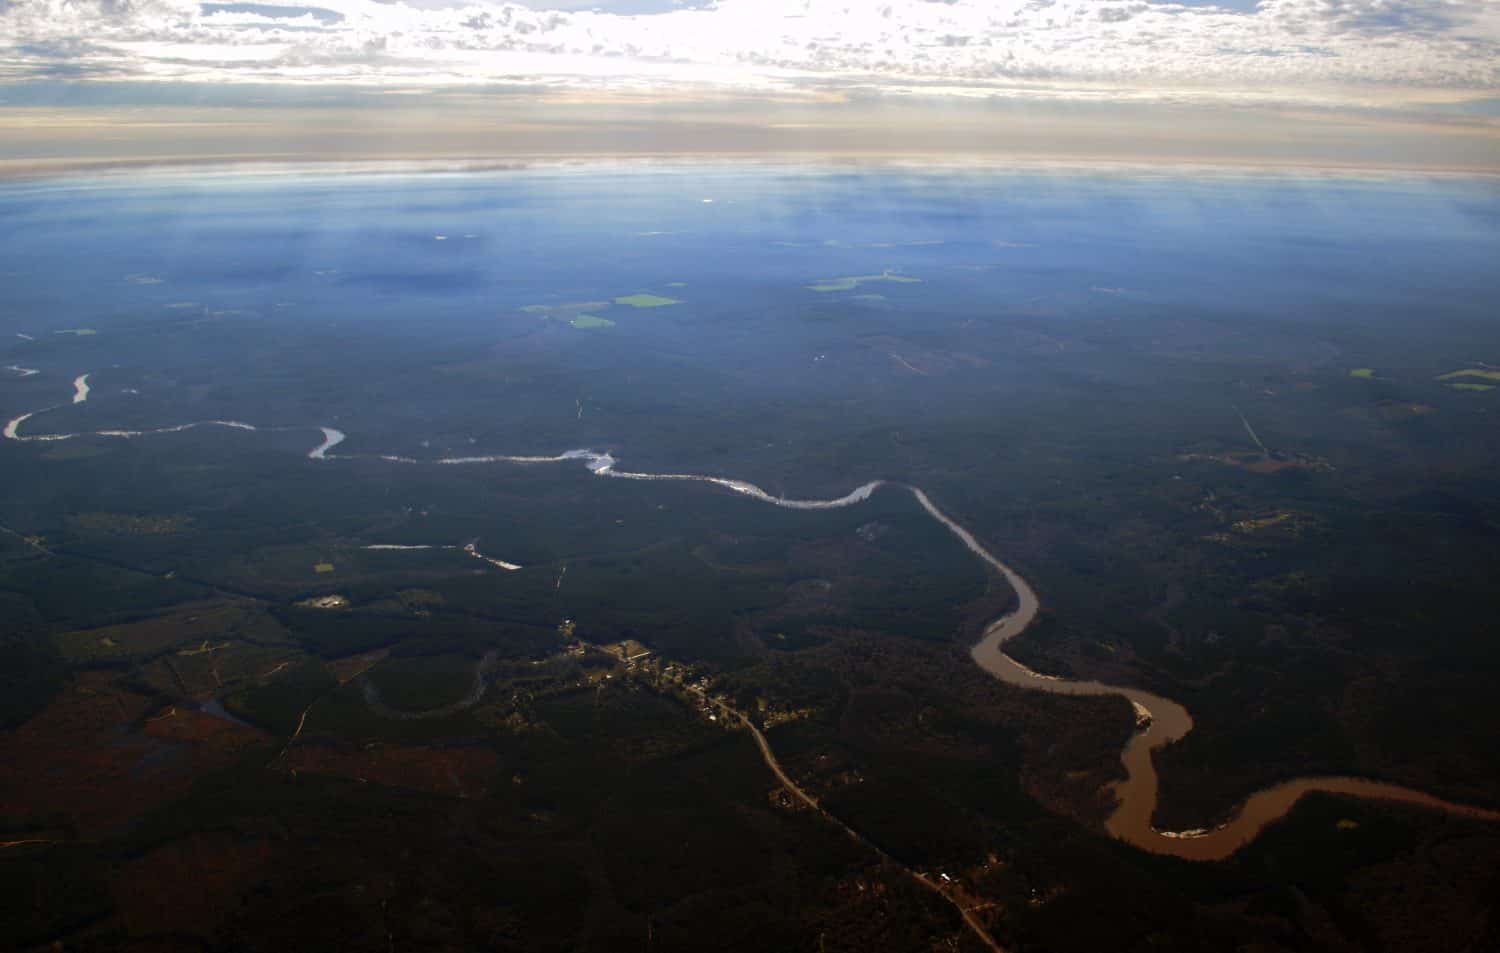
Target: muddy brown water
point(1169, 722)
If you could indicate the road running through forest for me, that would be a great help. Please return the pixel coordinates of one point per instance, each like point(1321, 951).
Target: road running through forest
point(1164, 721)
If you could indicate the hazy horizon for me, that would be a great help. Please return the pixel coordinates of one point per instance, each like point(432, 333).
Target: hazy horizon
point(1362, 83)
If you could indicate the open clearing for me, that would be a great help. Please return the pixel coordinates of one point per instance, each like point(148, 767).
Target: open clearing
point(197, 623)
point(854, 281)
point(564, 310)
point(591, 321)
point(646, 301)
point(1483, 373)
point(128, 524)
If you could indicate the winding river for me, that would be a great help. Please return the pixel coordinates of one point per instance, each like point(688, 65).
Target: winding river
point(1162, 720)
point(1165, 722)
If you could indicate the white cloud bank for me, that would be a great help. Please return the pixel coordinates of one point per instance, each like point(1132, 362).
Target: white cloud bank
point(1370, 52)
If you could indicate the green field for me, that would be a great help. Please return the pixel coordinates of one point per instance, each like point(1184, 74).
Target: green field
point(194, 623)
point(1483, 373)
point(562, 310)
point(129, 524)
point(591, 321)
point(854, 281)
point(646, 301)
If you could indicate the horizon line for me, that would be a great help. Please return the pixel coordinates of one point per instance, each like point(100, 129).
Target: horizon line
point(274, 163)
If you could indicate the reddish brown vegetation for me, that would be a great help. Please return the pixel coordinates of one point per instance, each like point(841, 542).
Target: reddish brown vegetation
point(188, 886)
point(352, 666)
point(195, 727)
point(458, 772)
point(90, 759)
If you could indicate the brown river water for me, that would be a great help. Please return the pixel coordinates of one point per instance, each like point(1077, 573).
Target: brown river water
point(1169, 722)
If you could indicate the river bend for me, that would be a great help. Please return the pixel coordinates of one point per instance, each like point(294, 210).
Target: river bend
point(1164, 721)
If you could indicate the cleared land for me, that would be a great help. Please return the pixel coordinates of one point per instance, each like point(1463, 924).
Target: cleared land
point(196, 624)
point(646, 301)
point(854, 281)
point(1480, 372)
point(591, 321)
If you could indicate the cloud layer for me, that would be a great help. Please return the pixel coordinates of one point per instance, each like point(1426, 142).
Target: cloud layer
point(1331, 51)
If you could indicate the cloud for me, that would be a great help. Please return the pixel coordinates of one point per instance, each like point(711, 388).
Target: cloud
point(1349, 51)
point(321, 14)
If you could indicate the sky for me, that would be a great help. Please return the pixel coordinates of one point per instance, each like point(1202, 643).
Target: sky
point(1323, 82)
